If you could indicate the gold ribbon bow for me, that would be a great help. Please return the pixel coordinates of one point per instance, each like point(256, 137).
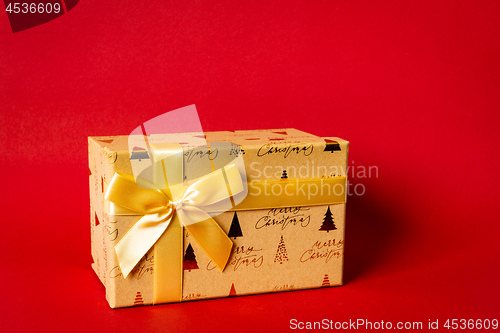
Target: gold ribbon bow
point(164, 212)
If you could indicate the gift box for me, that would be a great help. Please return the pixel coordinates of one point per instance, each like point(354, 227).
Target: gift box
point(276, 224)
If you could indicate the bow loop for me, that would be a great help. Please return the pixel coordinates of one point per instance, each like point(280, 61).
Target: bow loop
point(144, 201)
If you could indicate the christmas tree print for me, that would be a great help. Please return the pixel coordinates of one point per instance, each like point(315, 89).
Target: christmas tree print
point(96, 220)
point(331, 146)
point(281, 254)
point(189, 262)
point(138, 299)
point(232, 292)
point(235, 229)
point(326, 281)
point(139, 153)
point(328, 223)
point(284, 175)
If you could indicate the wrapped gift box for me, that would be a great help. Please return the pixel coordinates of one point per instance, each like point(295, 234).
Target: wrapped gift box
point(288, 247)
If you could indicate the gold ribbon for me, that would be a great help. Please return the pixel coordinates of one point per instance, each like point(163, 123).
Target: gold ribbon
point(167, 209)
point(267, 194)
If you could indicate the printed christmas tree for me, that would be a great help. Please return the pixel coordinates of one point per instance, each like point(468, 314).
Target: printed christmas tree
point(326, 281)
point(331, 146)
point(189, 262)
point(284, 175)
point(328, 223)
point(138, 299)
point(232, 292)
point(139, 153)
point(96, 220)
point(235, 229)
point(281, 254)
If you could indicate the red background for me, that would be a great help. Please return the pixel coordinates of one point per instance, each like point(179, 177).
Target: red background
point(414, 86)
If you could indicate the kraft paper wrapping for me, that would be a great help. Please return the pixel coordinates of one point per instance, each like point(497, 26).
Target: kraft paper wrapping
point(274, 249)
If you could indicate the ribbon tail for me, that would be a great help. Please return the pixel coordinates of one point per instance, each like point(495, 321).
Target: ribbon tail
point(139, 240)
point(209, 235)
point(168, 271)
